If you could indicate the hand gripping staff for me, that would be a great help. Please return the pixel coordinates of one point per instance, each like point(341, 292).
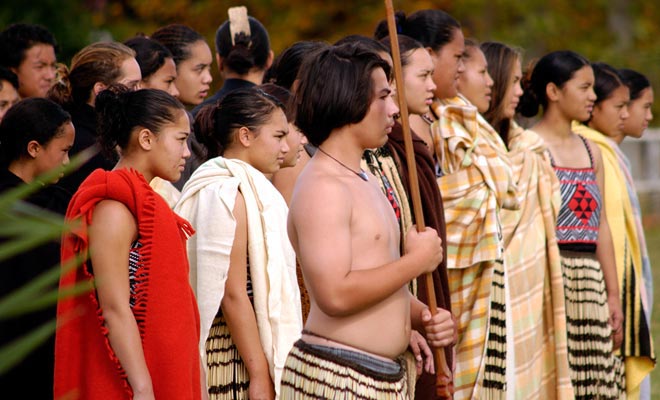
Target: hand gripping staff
point(445, 383)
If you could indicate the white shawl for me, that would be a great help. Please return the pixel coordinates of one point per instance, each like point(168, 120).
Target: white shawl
point(207, 201)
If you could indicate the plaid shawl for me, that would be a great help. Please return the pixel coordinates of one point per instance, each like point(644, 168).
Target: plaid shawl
point(534, 273)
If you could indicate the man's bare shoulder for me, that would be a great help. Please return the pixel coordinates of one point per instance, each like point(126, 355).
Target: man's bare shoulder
point(315, 188)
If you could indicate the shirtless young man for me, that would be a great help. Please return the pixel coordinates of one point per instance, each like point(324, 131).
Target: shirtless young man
point(346, 236)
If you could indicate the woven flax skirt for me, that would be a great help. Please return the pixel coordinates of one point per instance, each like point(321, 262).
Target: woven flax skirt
point(312, 373)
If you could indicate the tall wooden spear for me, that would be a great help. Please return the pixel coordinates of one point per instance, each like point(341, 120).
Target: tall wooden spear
point(445, 384)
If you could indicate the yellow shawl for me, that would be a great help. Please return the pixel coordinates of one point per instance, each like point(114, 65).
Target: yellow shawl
point(621, 219)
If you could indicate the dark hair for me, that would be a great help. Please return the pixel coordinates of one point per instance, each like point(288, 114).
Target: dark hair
point(150, 54)
point(607, 81)
point(557, 67)
point(246, 52)
point(285, 67)
point(98, 62)
point(406, 47)
point(8, 76)
point(432, 28)
point(282, 95)
point(470, 44)
point(119, 110)
point(336, 89)
point(216, 123)
point(19, 38)
point(501, 59)
point(178, 39)
point(364, 41)
point(30, 119)
point(635, 81)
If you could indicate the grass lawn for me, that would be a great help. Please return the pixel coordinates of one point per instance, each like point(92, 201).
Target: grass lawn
point(653, 243)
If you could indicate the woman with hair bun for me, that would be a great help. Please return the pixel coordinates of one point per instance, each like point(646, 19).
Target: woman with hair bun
point(534, 275)
point(562, 82)
point(92, 70)
point(243, 53)
point(128, 337)
point(243, 267)
point(605, 128)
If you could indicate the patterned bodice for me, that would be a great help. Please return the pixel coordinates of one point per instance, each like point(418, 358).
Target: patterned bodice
point(579, 217)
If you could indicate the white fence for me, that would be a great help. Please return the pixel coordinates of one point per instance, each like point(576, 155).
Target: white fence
point(644, 156)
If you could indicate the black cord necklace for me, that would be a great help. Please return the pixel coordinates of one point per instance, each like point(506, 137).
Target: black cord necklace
point(363, 175)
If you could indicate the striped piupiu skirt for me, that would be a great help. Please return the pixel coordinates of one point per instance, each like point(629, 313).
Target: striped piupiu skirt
point(596, 373)
point(226, 375)
point(321, 372)
point(494, 383)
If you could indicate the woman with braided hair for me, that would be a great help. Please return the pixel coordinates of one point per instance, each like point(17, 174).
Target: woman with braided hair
point(129, 337)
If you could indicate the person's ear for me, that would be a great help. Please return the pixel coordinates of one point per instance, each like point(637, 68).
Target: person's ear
point(98, 88)
point(552, 92)
point(219, 60)
point(33, 148)
point(269, 60)
point(146, 139)
point(244, 136)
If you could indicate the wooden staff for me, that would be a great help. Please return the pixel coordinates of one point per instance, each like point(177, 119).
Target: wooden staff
point(445, 384)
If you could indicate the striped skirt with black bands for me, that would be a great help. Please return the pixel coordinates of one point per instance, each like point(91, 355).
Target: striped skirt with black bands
point(596, 372)
point(313, 373)
point(226, 375)
point(494, 385)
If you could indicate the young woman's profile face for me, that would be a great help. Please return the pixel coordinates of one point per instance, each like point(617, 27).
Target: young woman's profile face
point(576, 97)
point(268, 145)
point(296, 141)
point(640, 114)
point(448, 66)
point(194, 74)
point(163, 79)
point(54, 153)
point(475, 82)
point(513, 92)
point(418, 81)
point(609, 115)
point(170, 150)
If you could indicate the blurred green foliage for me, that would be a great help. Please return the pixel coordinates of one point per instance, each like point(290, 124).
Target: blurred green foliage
point(620, 32)
point(24, 227)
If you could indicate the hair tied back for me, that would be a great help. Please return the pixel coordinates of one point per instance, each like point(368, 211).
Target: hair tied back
point(239, 24)
point(399, 21)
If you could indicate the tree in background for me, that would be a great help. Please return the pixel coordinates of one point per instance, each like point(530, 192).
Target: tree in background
point(620, 32)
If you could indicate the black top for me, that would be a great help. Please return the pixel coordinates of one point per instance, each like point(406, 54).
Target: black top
point(228, 86)
point(34, 374)
point(84, 120)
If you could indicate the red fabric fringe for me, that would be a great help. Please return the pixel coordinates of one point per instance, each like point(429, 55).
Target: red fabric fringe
point(86, 367)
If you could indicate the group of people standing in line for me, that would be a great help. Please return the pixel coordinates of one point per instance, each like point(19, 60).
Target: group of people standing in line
point(259, 243)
